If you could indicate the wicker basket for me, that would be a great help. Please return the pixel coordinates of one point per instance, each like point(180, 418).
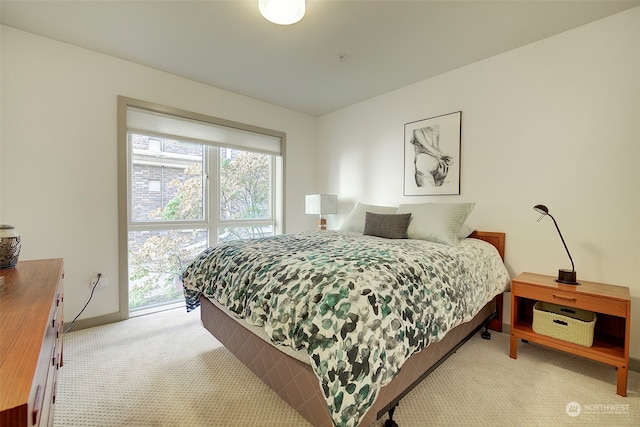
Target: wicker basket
point(564, 323)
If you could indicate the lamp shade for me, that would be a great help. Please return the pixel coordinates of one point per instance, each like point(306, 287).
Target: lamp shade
point(282, 12)
point(320, 204)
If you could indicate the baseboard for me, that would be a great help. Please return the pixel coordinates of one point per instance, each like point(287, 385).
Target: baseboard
point(634, 364)
point(94, 321)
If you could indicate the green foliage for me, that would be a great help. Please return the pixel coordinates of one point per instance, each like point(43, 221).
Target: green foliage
point(187, 203)
point(156, 265)
point(244, 186)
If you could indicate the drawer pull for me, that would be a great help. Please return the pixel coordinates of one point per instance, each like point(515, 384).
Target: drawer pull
point(54, 353)
point(37, 406)
point(560, 297)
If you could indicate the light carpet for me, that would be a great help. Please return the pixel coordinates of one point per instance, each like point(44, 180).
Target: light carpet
point(165, 369)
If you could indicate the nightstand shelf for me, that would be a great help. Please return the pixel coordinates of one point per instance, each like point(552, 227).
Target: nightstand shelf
point(612, 305)
point(605, 347)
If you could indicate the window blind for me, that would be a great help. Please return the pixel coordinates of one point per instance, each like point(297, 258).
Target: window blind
point(210, 133)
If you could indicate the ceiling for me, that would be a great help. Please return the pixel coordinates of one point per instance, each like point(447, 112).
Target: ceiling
point(227, 44)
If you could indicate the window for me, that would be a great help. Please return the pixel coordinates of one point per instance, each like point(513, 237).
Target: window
point(191, 182)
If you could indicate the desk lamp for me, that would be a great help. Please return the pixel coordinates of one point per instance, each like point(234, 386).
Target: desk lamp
point(568, 277)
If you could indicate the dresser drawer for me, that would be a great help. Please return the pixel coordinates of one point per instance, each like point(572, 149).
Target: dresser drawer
point(610, 306)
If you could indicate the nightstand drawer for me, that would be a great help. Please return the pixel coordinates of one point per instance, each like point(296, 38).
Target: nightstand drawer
point(614, 307)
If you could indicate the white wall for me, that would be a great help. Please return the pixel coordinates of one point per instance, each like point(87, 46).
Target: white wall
point(556, 122)
point(58, 152)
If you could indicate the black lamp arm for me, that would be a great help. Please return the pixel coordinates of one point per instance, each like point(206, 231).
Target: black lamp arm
point(562, 238)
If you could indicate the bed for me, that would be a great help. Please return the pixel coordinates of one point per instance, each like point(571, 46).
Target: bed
point(342, 324)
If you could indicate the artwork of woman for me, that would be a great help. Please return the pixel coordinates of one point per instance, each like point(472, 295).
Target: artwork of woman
point(431, 164)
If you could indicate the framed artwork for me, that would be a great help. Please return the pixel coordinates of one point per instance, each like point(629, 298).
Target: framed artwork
point(432, 156)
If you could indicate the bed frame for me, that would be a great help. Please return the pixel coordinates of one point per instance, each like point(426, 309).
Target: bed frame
point(296, 383)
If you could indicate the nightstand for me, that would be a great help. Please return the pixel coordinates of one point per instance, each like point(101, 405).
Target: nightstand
point(612, 305)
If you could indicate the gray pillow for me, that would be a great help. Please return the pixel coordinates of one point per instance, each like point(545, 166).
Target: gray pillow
point(389, 226)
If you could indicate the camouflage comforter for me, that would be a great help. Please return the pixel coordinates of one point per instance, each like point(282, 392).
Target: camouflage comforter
point(358, 305)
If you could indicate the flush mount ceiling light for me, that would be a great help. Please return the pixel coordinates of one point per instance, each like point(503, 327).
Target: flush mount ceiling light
point(282, 12)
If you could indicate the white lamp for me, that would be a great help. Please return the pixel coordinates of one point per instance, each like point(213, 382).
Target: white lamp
point(320, 204)
point(282, 12)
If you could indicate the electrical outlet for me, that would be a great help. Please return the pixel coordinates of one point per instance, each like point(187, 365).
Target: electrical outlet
point(103, 283)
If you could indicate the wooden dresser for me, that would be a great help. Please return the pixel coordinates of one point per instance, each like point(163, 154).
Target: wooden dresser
point(31, 322)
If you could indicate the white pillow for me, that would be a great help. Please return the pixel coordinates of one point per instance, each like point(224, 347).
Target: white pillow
point(437, 222)
point(356, 218)
point(465, 231)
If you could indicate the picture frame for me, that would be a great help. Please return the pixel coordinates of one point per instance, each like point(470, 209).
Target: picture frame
point(432, 155)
